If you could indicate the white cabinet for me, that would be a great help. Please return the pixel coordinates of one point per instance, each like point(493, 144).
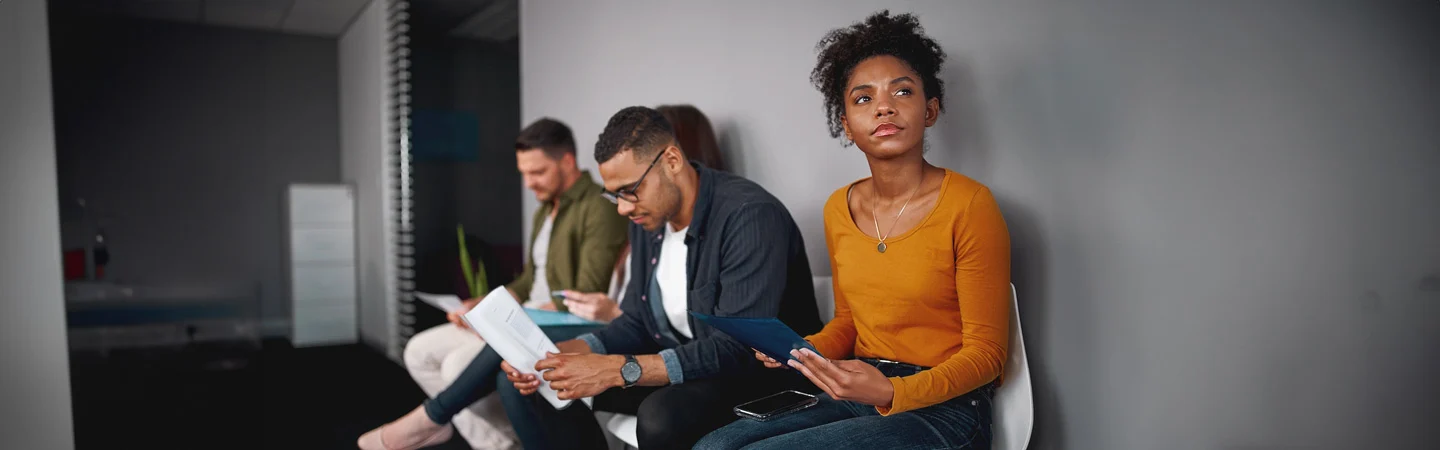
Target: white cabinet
point(320, 234)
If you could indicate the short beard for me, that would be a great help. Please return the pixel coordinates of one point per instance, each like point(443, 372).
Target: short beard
point(672, 198)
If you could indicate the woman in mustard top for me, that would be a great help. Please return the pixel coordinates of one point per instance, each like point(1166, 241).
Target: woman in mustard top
point(921, 262)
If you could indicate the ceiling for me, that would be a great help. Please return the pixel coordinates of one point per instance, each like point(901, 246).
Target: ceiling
point(483, 20)
point(488, 20)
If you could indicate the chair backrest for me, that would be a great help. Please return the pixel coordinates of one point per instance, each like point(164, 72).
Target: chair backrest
point(825, 298)
point(1014, 411)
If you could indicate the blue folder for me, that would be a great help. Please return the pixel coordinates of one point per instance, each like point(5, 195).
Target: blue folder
point(768, 335)
point(555, 319)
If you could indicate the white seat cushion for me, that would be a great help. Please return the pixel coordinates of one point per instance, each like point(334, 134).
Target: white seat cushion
point(623, 427)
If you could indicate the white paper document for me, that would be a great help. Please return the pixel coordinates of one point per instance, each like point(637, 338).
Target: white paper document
point(444, 302)
point(503, 324)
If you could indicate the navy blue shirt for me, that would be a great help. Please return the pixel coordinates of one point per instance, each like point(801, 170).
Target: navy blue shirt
point(746, 258)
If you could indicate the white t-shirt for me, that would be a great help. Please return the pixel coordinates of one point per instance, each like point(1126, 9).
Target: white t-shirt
point(540, 290)
point(671, 276)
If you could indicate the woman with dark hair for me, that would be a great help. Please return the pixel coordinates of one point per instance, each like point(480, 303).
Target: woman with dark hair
point(694, 134)
point(921, 262)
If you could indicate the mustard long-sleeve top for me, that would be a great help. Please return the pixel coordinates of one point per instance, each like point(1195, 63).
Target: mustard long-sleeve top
point(938, 297)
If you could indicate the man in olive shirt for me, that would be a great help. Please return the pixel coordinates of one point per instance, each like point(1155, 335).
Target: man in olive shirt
point(575, 244)
point(575, 238)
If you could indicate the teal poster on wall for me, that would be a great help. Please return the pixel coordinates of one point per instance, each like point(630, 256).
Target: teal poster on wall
point(444, 136)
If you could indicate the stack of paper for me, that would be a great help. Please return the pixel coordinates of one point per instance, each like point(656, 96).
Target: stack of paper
point(452, 304)
point(443, 302)
point(506, 327)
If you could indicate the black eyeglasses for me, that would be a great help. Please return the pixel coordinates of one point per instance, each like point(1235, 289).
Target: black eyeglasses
point(628, 192)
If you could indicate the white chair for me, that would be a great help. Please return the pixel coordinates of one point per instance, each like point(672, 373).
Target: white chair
point(1014, 410)
point(622, 426)
point(825, 298)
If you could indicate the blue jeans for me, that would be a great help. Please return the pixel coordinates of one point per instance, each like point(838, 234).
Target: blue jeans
point(959, 423)
point(482, 375)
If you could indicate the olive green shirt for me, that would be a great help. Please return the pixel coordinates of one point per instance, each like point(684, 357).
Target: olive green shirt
point(585, 242)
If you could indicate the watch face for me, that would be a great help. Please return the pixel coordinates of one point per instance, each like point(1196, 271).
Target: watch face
point(630, 372)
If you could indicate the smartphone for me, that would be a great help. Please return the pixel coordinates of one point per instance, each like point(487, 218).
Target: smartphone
point(776, 405)
point(558, 298)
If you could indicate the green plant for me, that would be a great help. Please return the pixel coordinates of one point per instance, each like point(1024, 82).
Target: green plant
point(475, 279)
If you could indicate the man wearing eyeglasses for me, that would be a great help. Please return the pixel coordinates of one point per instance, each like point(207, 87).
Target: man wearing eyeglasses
point(702, 241)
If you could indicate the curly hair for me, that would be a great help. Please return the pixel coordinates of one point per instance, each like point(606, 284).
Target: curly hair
point(880, 34)
point(642, 130)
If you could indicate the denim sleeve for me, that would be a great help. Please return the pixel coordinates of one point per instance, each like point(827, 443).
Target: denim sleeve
point(672, 366)
point(596, 346)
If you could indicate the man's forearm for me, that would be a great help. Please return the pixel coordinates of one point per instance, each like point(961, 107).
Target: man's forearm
point(652, 371)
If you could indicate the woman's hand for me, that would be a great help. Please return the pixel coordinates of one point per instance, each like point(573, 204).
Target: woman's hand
point(770, 363)
point(850, 379)
point(457, 317)
point(593, 306)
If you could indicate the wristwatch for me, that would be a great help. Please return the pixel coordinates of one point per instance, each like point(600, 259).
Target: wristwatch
point(630, 372)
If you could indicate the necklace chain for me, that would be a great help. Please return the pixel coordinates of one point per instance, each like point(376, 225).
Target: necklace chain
point(875, 216)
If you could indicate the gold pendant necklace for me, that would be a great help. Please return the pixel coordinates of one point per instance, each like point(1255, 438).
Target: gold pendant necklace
point(873, 215)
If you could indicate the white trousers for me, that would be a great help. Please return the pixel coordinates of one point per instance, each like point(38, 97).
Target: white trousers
point(435, 357)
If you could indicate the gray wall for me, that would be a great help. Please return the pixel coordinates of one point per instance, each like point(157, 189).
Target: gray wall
point(184, 138)
point(36, 369)
point(1223, 213)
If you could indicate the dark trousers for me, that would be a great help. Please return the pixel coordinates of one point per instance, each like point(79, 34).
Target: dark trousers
point(669, 417)
point(959, 423)
point(481, 376)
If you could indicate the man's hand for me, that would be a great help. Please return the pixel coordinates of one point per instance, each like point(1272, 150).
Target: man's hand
point(576, 376)
point(850, 379)
point(574, 346)
point(525, 383)
point(456, 317)
point(594, 306)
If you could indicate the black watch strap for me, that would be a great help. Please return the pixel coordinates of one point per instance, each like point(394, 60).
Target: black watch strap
point(630, 372)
